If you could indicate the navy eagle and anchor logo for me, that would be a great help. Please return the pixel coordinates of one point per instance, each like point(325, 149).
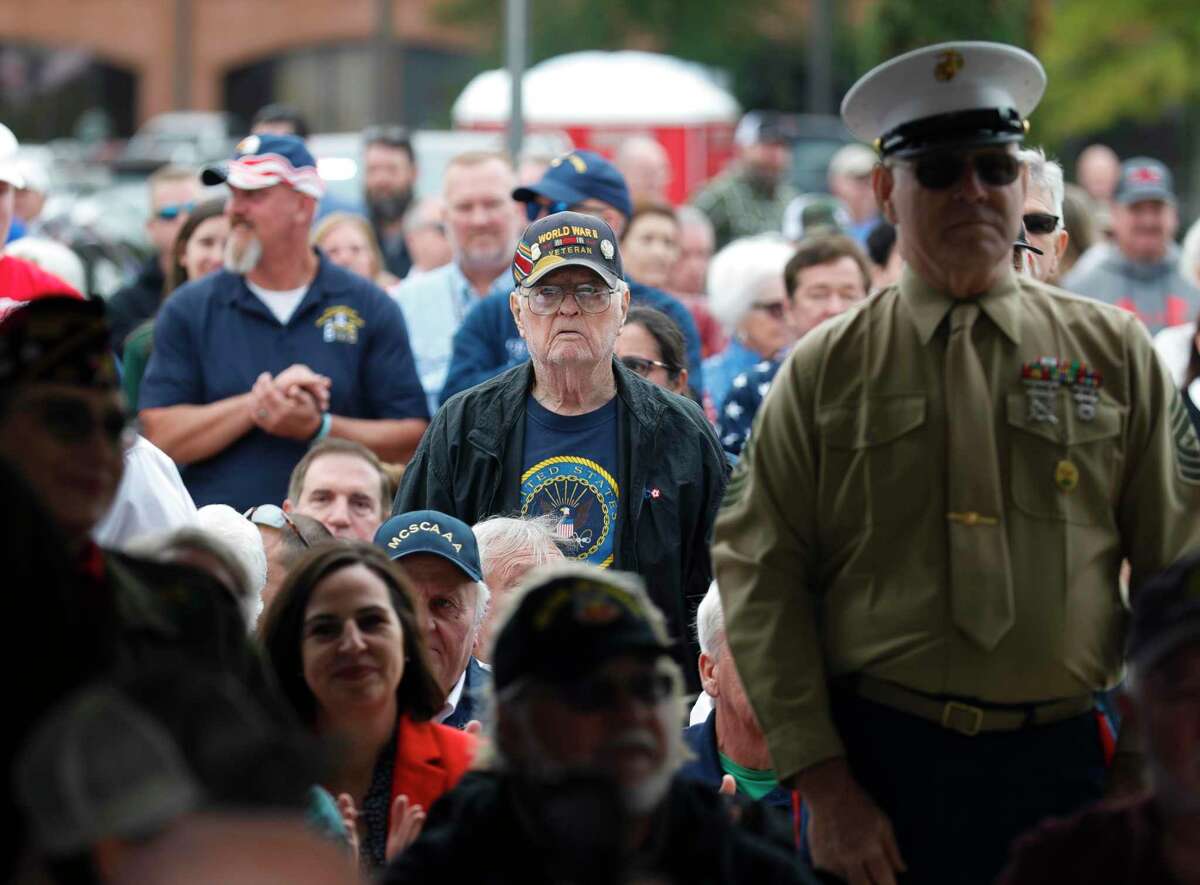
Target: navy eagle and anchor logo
point(584, 497)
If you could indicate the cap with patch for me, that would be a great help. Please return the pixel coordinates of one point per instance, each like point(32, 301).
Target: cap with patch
point(428, 531)
point(763, 127)
point(1166, 613)
point(571, 621)
point(1144, 178)
point(59, 340)
point(99, 767)
point(578, 176)
point(814, 214)
point(948, 95)
point(567, 239)
point(261, 161)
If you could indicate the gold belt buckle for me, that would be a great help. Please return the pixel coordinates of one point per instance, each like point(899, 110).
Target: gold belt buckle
point(963, 718)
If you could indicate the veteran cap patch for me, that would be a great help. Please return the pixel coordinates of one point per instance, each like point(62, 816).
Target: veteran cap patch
point(567, 239)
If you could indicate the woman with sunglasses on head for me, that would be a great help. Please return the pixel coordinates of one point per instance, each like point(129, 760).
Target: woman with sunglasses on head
point(349, 655)
point(746, 294)
point(350, 242)
point(198, 250)
point(651, 344)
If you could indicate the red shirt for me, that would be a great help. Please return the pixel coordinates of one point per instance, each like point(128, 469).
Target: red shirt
point(22, 281)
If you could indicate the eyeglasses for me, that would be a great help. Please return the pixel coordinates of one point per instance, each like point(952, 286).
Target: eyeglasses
point(171, 211)
point(644, 366)
point(1040, 222)
point(939, 171)
point(72, 421)
point(545, 300)
point(598, 693)
point(775, 310)
point(274, 517)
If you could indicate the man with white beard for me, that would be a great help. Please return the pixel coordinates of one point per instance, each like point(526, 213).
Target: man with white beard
point(281, 348)
point(582, 782)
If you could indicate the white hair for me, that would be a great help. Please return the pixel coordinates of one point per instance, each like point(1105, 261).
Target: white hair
point(1189, 255)
point(710, 622)
point(502, 538)
point(1047, 175)
point(236, 545)
point(52, 257)
point(483, 597)
point(690, 216)
point(740, 271)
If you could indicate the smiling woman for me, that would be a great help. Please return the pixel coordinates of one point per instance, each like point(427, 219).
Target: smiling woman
point(343, 641)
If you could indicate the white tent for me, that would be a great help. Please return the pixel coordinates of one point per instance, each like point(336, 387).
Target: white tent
point(602, 88)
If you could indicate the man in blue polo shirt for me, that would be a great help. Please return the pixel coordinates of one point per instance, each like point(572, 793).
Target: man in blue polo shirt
point(487, 342)
point(281, 348)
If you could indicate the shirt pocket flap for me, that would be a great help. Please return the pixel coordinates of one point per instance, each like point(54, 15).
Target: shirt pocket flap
point(1069, 428)
point(883, 420)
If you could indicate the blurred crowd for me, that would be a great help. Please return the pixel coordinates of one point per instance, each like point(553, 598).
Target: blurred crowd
point(377, 539)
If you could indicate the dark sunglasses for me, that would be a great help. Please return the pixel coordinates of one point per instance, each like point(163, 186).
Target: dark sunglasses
point(774, 310)
point(606, 693)
point(644, 367)
point(1040, 222)
point(393, 136)
point(72, 421)
point(535, 209)
point(275, 517)
point(939, 171)
point(171, 211)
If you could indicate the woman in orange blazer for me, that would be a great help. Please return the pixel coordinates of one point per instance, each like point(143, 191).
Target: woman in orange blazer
point(343, 640)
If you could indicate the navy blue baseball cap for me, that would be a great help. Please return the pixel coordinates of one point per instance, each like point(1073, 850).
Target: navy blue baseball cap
point(1144, 178)
point(261, 161)
point(428, 531)
point(578, 176)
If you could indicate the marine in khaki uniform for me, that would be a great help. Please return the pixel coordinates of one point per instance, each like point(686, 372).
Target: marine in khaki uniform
point(919, 552)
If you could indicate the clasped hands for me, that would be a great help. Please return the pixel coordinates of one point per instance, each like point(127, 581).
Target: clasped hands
point(291, 403)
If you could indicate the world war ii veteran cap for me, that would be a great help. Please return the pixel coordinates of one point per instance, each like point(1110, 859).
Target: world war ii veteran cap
point(57, 339)
point(261, 161)
point(571, 619)
point(429, 531)
point(1143, 178)
point(578, 176)
point(948, 95)
point(1166, 613)
point(567, 239)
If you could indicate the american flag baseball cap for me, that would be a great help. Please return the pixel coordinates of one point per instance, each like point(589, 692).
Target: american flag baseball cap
point(265, 160)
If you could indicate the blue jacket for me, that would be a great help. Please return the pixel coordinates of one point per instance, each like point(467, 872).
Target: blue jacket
point(706, 767)
point(487, 342)
point(471, 703)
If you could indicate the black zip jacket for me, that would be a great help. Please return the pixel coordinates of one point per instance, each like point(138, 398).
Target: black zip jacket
point(671, 473)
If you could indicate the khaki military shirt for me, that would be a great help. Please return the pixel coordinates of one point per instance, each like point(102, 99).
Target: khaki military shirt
point(831, 545)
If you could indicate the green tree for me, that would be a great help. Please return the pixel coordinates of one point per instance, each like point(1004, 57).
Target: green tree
point(1117, 60)
point(760, 43)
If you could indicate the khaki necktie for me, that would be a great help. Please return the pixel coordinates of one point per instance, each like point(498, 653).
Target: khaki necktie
point(981, 589)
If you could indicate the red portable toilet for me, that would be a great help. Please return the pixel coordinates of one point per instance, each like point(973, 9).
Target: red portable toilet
point(600, 98)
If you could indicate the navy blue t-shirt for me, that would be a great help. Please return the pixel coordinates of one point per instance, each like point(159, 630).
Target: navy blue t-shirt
point(570, 470)
point(213, 337)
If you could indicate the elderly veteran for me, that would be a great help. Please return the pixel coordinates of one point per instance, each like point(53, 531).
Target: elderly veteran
point(632, 473)
point(581, 784)
point(919, 551)
point(439, 556)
